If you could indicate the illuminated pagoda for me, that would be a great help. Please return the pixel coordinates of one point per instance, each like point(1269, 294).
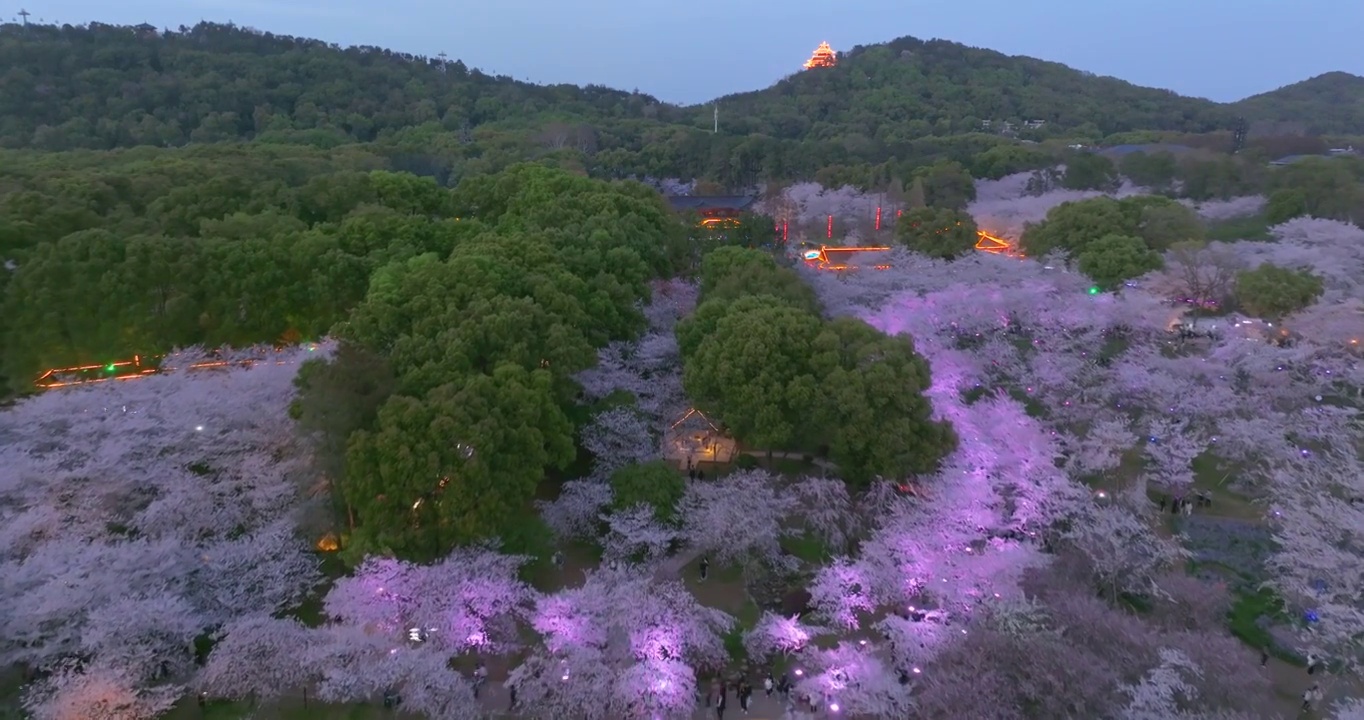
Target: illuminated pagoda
point(823, 57)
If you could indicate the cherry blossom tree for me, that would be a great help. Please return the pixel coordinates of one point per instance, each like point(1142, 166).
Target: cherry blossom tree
point(99, 692)
point(853, 679)
point(469, 601)
point(780, 635)
point(260, 657)
point(739, 518)
point(1125, 552)
point(635, 533)
point(576, 513)
point(138, 515)
point(826, 511)
point(1159, 695)
point(619, 646)
point(618, 437)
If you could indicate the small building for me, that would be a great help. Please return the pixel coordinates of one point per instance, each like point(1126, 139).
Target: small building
point(713, 209)
point(693, 439)
point(823, 57)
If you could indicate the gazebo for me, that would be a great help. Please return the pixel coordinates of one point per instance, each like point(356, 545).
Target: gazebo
point(692, 439)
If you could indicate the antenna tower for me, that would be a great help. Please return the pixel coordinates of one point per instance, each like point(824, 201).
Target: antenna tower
point(716, 127)
point(1238, 136)
point(24, 14)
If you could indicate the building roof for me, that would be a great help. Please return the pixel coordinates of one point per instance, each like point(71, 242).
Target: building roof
point(1290, 159)
point(1118, 151)
point(710, 202)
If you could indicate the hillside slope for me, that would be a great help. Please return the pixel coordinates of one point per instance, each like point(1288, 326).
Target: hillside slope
point(104, 86)
point(1332, 103)
point(913, 87)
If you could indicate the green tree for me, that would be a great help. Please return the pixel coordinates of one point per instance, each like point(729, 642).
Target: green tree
point(1161, 222)
point(937, 232)
point(946, 185)
point(1156, 170)
point(753, 372)
point(1270, 291)
point(1089, 171)
point(871, 407)
point(1071, 226)
point(336, 398)
point(656, 484)
point(1284, 205)
point(1114, 258)
point(457, 466)
point(729, 273)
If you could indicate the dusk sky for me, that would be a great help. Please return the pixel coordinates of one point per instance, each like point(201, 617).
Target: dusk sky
point(689, 51)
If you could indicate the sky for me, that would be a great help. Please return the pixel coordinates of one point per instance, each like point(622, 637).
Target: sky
point(691, 51)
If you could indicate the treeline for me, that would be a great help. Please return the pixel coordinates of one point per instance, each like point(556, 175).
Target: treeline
point(759, 355)
point(104, 87)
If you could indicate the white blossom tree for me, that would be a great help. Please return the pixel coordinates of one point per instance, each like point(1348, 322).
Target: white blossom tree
point(825, 510)
point(635, 533)
point(618, 437)
point(738, 518)
point(575, 514)
point(1126, 553)
point(853, 679)
point(135, 516)
point(1159, 694)
point(260, 657)
point(96, 693)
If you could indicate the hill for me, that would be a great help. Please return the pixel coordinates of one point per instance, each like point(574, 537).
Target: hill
point(1332, 103)
point(938, 87)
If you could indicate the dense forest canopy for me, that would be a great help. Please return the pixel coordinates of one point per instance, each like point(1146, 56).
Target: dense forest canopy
point(1331, 103)
point(909, 101)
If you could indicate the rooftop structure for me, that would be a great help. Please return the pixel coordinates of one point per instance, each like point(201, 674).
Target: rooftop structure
point(823, 57)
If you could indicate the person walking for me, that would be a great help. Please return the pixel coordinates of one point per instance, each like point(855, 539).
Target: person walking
point(745, 694)
point(720, 702)
point(480, 676)
point(768, 685)
point(705, 568)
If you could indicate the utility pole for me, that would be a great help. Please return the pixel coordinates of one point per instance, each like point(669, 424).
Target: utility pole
point(24, 14)
point(716, 127)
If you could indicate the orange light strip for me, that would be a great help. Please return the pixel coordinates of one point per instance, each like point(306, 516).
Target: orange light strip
point(135, 362)
point(985, 242)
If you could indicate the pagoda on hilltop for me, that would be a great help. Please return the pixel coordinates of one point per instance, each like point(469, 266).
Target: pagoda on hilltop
point(823, 57)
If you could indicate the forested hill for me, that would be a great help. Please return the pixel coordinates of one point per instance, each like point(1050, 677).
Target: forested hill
point(909, 88)
point(104, 86)
point(1332, 103)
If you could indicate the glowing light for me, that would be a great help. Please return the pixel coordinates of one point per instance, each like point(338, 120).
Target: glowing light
point(823, 57)
point(1093, 290)
point(198, 428)
point(833, 707)
point(812, 255)
point(985, 242)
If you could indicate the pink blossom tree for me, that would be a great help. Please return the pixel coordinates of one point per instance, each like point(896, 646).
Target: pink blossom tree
point(825, 510)
point(853, 679)
point(780, 635)
point(469, 601)
point(620, 645)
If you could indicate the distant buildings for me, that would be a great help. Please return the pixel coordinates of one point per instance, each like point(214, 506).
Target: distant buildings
point(713, 209)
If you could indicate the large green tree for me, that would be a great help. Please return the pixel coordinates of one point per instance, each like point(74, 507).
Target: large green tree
point(1271, 291)
point(871, 404)
point(458, 465)
point(937, 232)
point(1114, 258)
point(754, 368)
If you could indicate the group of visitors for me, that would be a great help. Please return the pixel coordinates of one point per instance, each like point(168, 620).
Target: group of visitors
point(717, 696)
point(1179, 504)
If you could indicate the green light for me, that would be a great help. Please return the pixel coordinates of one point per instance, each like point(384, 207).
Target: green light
point(109, 367)
point(1094, 290)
